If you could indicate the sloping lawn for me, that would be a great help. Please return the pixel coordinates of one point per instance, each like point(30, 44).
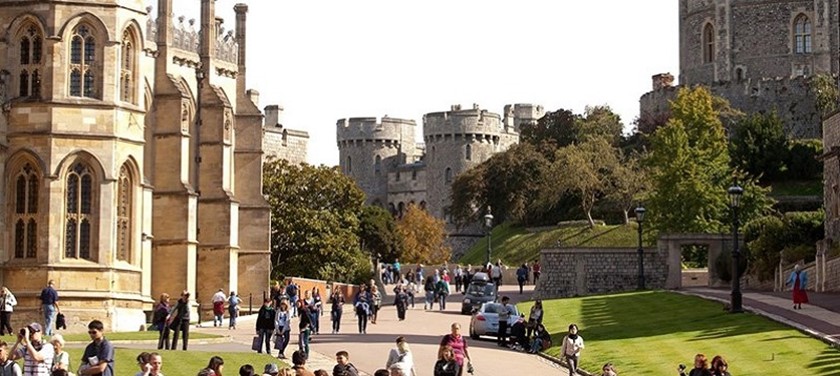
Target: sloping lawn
point(133, 336)
point(650, 333)
point(515, 245)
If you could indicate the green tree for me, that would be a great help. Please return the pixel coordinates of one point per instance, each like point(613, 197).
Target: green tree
point(584, 170)
point(628, 184)
point(759, 146)
point(507, 182)
point(314, 222)
point(423, 237)
point(553, 130)
point(600, 121)
point(379, 235)
point(689, 169)
point(826, 94)
point(802, 160)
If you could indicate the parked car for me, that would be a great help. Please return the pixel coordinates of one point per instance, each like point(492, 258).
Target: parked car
point(485, 321)
point(479, 291)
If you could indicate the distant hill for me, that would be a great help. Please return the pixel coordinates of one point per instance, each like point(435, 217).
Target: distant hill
point(515, 245)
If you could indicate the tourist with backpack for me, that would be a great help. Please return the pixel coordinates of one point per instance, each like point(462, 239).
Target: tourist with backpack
point(292, 292)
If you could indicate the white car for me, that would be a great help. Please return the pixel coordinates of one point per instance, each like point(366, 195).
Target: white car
point(485, 321)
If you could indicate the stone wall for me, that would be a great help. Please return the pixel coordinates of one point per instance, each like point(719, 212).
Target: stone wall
point(568, 272)
point(291, 145)
point(831, 176)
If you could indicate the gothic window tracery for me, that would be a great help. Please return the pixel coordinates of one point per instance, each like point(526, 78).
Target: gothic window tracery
point(377, 165)
point(128, 67)
point(448, 175)
point(83, 62)
point(468, 152)
point(124, 212)
point(79, 211)
point(25, 216)
point(31, 52)
point(802, 34)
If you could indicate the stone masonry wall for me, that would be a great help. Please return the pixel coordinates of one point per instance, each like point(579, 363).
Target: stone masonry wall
point(831, 176)
point(290, 145)
point(568, 272)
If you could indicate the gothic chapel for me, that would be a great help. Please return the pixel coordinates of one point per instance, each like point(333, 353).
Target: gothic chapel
point(131, 157)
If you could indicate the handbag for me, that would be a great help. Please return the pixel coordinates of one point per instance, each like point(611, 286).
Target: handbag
point(60, 321)
point(256, 344)
point(278, 341)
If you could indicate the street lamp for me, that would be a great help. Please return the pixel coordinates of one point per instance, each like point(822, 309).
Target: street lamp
point(640, 218)
point(488, 223)
point(735, 193)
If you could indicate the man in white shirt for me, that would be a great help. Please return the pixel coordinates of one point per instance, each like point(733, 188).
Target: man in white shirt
point(37, 355)
point(218, 307)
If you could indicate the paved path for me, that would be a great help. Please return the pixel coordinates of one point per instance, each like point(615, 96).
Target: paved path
point(820, 319)
point(422, 329)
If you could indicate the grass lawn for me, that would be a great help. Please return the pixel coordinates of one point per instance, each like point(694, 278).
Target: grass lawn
point(135, 336)
point(182, 363)
point(650, 333)
point(515, 245)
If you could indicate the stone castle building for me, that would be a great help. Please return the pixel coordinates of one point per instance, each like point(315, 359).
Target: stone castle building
point(381, 155)
point(757, 54)
point(131, 158)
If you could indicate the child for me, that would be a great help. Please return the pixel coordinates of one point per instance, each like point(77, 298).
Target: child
point(7, 366)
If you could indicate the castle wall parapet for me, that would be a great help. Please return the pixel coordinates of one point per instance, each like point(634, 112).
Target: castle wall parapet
point(372, 129)
point(472, 121)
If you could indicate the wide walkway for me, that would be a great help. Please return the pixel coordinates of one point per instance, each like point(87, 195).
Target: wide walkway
point(820, 319)
point(422, 329)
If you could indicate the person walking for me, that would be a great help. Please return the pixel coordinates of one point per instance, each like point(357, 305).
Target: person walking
point(233, 309)
point(179, 320)
point(572, 345)
point(159, 320)
point(459, 278)
point(316, 309)
point(265, 325)
point(536, 269)
point(336, 310)
point(458, 344)
point(49, 306)
point(362, 304)
point(292, 290)
point(401, 358)
point(282, 329)
point(521, 276)
point(446, 364)
point(400, 301)
point(429, 288)
point(442, 292)
point(304, 328)
point(218, 307)
point(799, 281)
point(7, 306)
point(376, 296)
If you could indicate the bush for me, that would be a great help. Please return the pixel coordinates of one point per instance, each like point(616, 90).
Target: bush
point(802, 160)
point(794, 235)
point(723, 264)
point(759, 146)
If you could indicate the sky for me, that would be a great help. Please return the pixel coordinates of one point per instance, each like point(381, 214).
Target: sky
point(323, 60)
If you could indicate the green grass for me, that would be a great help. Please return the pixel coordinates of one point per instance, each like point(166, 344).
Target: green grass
point(133, 336)
point(650, 333)
point(797, 188)
point(515, 245)
point(181, 362)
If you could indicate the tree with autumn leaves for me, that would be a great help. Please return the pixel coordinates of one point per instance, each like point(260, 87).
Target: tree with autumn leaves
point(423, 237)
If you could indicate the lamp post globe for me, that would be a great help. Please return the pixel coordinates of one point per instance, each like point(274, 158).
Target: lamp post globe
point(488, 224)
point(640, 218)
point(735, 192)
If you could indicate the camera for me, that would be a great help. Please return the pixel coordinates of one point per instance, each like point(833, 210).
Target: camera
point(22, 332)
point(682, 367)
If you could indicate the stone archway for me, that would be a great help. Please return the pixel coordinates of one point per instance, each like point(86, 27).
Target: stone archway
point(673, 244)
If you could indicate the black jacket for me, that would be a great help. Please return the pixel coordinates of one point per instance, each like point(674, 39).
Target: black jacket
point(265, 318)
point(348, 370)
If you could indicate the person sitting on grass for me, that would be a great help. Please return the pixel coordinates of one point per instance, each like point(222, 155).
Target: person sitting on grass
point(608, 370)
point(517, 333)
point(542, 339)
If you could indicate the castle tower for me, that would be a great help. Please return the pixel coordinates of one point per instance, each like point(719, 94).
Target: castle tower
point(75, 197)
point(456, 141)
point(369, 149)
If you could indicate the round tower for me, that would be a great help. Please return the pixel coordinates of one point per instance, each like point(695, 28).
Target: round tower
point(370, 148)
point(456, 141)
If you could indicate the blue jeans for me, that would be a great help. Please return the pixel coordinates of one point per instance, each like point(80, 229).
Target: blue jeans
point(293, 304)
point(336, 320)
point(233, 313)
point(316, 324)
point(49, 318)
point(265, 338)
point(430, 300)
point(303, 341)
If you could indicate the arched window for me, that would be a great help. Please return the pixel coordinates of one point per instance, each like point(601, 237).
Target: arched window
point(377, 165)
point(31, 52)
point(129, 64)
point(125, 197)
point(739, 74)
point(708, 43)
point(79, 212)
point(468, 152)
point(25, 216)
point(349, 164)
point(447, 176)
point(82, 61)
point(802, 34)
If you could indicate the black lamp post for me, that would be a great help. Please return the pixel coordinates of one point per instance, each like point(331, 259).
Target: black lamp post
point(735, 193)
point(488, 223)
point(640, 218)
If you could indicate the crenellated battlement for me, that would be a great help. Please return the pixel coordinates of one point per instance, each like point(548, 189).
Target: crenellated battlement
point(185, 36)
point(374, 129)
point(458, 121)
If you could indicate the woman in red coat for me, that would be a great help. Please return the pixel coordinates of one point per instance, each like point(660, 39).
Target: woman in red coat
point(799, 280)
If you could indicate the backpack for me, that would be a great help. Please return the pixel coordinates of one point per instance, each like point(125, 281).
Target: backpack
point(292, 290)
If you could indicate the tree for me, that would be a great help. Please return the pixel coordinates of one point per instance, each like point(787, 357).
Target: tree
point(628, 182)
point(423, 237)
point(825, 92)
point(562, 128)
point(314, 222)
point(379, 235)
point(759, 146)
point(689, 169)
point(585, 170)
point(600, 121)
point(507, 182)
